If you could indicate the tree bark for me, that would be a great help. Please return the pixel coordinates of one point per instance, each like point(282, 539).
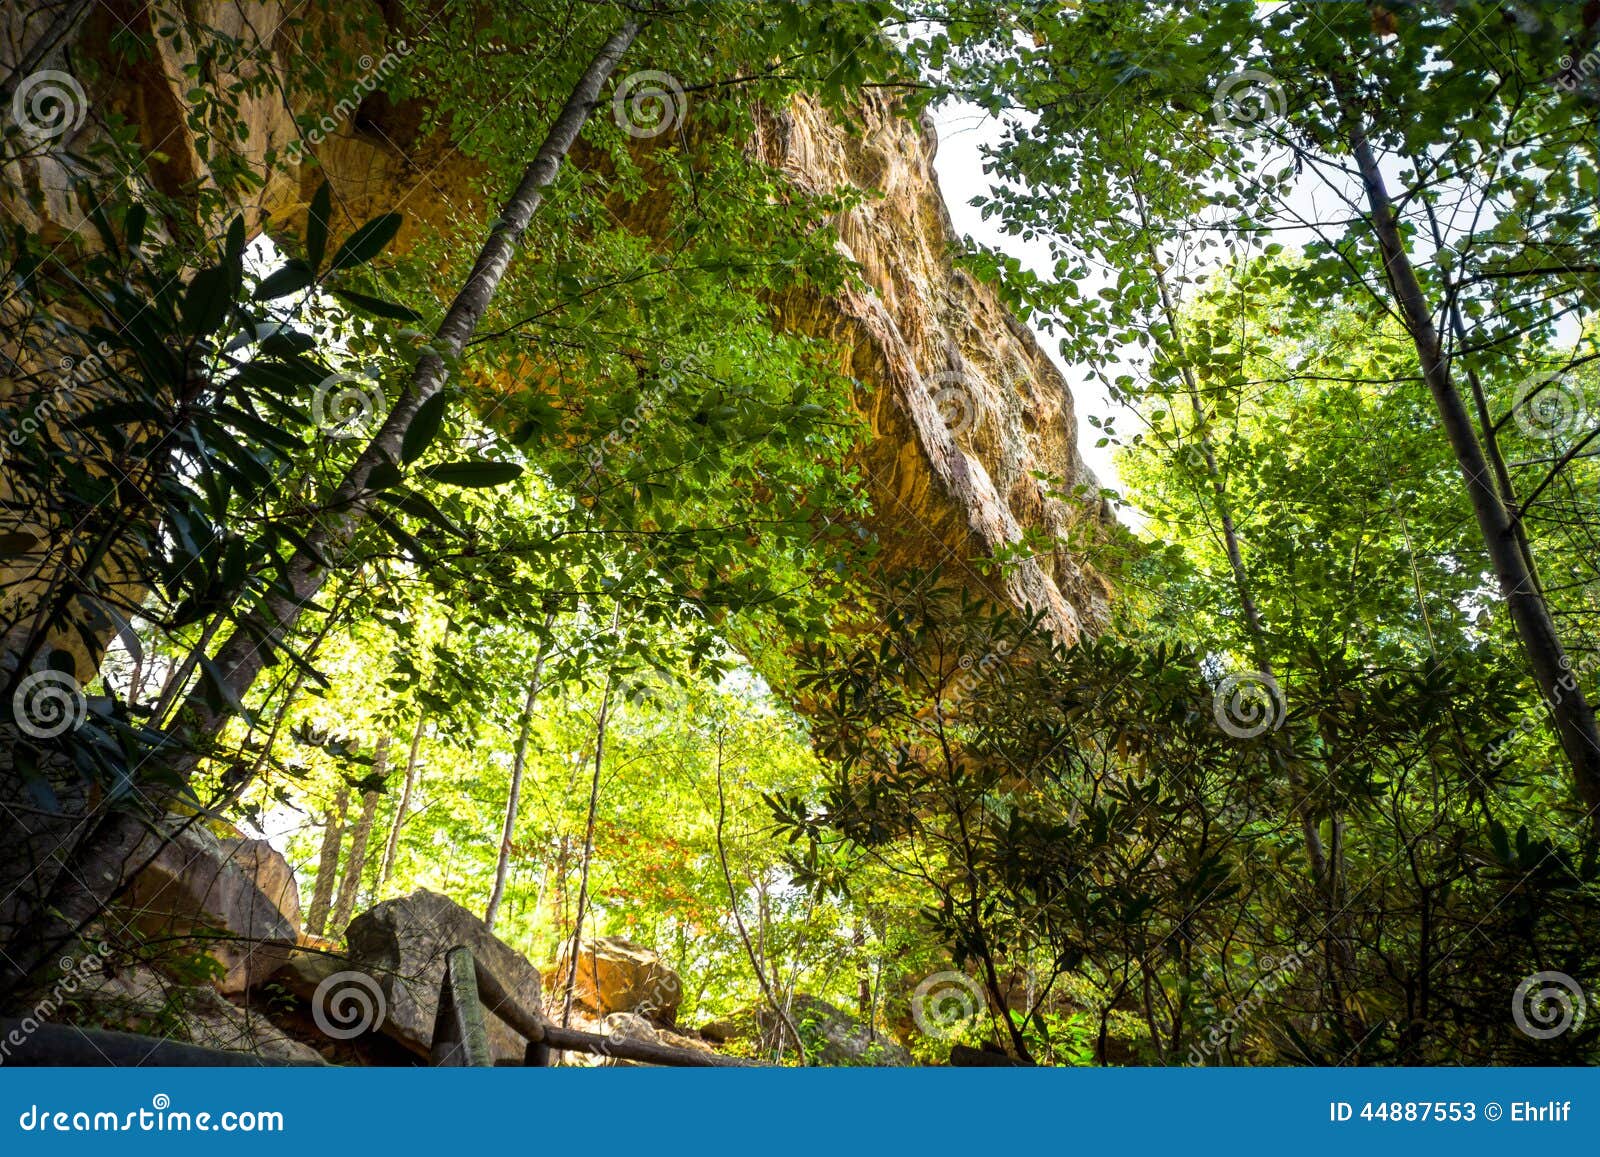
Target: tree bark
point(350, 886)
point(247, 650)
point(744, 937)
point(1260, 652)
point(350, 883)
point(95, 873)
point(502, 868)
point(1530, 615)
point(328, 863)
point(588, 853)
point(393, 847)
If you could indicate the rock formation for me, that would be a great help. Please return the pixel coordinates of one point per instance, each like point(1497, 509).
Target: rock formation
point(617, 976)
point(401, 944)
point(964, 408)
point(234, 897)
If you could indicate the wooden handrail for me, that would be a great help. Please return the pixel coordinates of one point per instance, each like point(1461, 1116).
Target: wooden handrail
point(542, 1036)
point(648, 1052)
point(460, 1038)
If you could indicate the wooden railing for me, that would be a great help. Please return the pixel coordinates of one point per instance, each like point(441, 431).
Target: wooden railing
point(461, 1037)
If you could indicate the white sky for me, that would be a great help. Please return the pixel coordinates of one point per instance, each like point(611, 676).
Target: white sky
point(963, 130)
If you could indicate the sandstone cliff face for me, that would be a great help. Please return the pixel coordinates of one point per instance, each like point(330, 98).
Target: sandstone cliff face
point(963, 406)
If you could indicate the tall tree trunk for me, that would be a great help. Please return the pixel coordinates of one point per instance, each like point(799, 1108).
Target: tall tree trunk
point(777, 1006)
point(247, 650)
point(1530, 615)
point(502, 868)
point(558, 887)
point(1260, 652)
point(864, 1000)
point(355, 864)
point(328, 863)
point(588, 853)
point(393, 847)
point(97, 865)
point(350, 883)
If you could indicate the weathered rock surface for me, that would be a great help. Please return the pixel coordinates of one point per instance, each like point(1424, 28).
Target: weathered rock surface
point(963, 406)
point(139, 999)
point(236, 897)
point(401, 945)
point(618, 976)
point(831, 1035)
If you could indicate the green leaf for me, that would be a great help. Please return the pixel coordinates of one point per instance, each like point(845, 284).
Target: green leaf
point(133, 223)
point(377, 306)
point(475, 472)
point(415, 504)
point(384, 475)
point(366, 242)
point(402, 537)
point(292, 277)
point(424, 428)
point(317, 224)
point(206, 301)
point(235, 242)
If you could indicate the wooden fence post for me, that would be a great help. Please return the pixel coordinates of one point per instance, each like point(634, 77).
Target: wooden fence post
point(459, 1036)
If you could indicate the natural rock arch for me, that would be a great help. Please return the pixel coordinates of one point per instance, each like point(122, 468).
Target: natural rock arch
point(964, 408)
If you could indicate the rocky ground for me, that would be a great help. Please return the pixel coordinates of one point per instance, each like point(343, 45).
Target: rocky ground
point(227, 965)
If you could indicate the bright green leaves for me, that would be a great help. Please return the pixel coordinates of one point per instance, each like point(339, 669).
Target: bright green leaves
point(474, 473)
point(366, 242)
point(424, 427)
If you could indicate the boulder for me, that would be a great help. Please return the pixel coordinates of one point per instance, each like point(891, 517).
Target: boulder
point(236, 897)
point(398, 948)
point(139, 999)
point(617, 975)
point(831, 1035)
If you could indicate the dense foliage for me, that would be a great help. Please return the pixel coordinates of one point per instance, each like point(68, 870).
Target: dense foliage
point(599, 645)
